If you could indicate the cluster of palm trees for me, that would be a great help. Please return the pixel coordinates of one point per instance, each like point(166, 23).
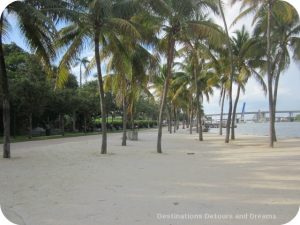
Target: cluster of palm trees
point(171, 46)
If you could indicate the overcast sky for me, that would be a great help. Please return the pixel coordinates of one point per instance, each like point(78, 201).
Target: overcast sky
point(289, 87)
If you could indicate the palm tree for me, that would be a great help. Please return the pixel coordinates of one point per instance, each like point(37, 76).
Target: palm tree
point(195, 81)
point(81, 62)
point(222, 67)
point(97, 21)
point(158, 84)
point(177, 20)
point(265, 8)
point(285, 31)
point(245, 57)
point(228, 43)
point(38, 31)
point(131, 63)
point(197, 52)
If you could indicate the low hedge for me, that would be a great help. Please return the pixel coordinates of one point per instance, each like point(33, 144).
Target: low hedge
point(118, 125)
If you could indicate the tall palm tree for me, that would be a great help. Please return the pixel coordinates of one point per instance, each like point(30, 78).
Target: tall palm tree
point(131, 63)
point(285, 35)
point(97, 22)
point(228, 43)
point(245, 58)
point(177, 20)
point(198, 52)
point(82, 62)
point(221, 65)
point(39, 31)
point(265, 8)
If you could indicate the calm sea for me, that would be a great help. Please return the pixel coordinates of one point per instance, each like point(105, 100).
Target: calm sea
point(283, 129)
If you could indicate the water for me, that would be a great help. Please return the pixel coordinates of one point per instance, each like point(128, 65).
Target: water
point(283, 129)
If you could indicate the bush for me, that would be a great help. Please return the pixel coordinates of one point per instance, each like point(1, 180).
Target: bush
point(118, 125)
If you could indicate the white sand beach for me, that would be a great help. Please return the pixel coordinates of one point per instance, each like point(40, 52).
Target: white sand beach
point(68, 182)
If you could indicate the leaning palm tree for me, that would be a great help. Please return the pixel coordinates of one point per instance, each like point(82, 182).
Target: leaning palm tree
point(177, 19)
point(247, 61)
point(97, 22)
point(232, 68)
point(39, 31)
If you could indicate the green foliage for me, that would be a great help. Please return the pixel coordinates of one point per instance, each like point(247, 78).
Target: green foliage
point(118, 124)
point(29, 88)
point(134, 36)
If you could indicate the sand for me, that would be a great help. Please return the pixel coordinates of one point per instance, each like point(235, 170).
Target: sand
point(67, 182)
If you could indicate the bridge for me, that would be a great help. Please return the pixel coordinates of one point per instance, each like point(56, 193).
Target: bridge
point(254, 113)
point(261, 115)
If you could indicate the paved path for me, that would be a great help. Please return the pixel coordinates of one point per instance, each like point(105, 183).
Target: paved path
point(67, 182)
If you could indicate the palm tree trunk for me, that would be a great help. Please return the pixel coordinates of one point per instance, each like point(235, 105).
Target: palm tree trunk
point(5, 97)
point(270, 78)
point(62, 118)
point(200, 127)
point(74, 121)
point(30, 126)
point(84, 125)
point(222, 111)
point(169, 109)
point(15, 125)
point(101, 93)
point(197, 123)
point(234, 112)
point(198, 119)
point(124, 138)
point(187, 120)
point(170, 58)
point(275, 104)
point(231, 74)
point(191, 121)
point(275, 96)
point(191, 114)
point(175, 119)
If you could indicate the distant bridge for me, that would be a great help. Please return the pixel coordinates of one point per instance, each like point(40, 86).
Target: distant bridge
point(260, 116)
point(289, 112)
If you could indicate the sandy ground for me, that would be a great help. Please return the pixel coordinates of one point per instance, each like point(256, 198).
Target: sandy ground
point(67, 181)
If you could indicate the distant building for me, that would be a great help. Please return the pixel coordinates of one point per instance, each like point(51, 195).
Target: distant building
point(260, 117)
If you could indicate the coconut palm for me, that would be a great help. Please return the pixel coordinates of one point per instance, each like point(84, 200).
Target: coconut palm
point(229, 47)
point(269, 10)
point(201, 79)
point(39, 31)
point(96, 23)
point(285, 35)
point(82, 62)
point(222, 67)
point(245, 57)
point(197, 78)
point(131, 63)
point(176, 20)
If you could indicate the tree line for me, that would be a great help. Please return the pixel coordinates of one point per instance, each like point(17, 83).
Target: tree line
point(35, 103)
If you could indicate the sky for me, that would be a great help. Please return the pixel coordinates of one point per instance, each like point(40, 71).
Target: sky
point(289, 86)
